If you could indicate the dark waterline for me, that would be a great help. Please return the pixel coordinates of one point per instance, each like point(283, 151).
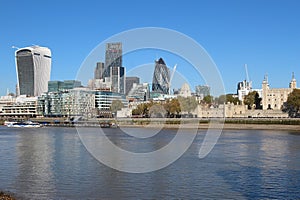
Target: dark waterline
point(52, 163)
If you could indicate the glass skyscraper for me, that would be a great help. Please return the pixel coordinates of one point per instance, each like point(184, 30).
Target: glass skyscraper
point(114, 68)
point(33, 66)
point(161, 77)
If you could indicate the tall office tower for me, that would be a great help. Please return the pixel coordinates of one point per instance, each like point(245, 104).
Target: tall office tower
point(117, 77)
point(129, 83)
point(161, 77)
point(33, 66)
point(99, 71)
point(113, 67)
point(113, 57)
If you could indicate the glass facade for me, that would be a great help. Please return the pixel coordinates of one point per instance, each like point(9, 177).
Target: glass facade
point(54, 86)
point(161, 77)
point(33, 70)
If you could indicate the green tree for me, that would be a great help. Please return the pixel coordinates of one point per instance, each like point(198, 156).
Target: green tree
point(207, 99)
point(116, 105)
point(221, 99)
point(172, 107)
point(188, 104)
point(252, 100)
point(292, 106)
point(227, 98)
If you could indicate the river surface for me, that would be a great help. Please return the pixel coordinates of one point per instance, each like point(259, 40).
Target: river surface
point(52, 163)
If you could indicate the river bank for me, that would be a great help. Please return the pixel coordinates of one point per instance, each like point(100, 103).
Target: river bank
point(292, 124)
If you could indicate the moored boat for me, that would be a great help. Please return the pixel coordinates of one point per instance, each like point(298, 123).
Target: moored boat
point(28, 124)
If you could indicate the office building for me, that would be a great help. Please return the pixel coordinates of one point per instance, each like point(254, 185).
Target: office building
point(117, 77)
point(161, 77)
point(33, 66)
point(202, 91)
point(129, 81)
point(71, 103)
point(113, 57)
point(114, 68)
point(139, 92)
point(99, 71)
point(54, 86)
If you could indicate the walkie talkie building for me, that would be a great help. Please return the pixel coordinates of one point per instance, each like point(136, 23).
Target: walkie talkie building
point(33, 66)
point(161, 77)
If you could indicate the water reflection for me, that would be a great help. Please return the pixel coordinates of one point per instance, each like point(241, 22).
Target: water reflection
point(35, 151)
point(52, 163)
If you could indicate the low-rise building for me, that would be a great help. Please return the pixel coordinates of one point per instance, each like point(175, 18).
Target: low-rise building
point(274, 98)
point(23, 107)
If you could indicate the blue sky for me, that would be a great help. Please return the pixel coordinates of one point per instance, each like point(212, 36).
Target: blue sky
point(265, 34)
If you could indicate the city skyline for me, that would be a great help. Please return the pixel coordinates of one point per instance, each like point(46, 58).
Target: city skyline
point(263, 35)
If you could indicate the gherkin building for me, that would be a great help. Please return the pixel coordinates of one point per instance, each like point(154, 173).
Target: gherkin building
point(161, 77)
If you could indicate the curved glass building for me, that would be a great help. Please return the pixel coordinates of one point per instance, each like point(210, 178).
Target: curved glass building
point(161, 77)
point(33, 65)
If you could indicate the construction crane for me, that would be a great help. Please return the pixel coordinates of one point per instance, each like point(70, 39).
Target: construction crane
point(171, 78)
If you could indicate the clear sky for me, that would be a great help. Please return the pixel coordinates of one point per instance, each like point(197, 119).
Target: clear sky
point(265, 34)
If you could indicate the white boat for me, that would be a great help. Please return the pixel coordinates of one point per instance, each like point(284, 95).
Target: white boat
point(28, 124)
point(9, 123)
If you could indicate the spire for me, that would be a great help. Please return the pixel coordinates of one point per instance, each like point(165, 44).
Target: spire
point(293, 76)
point(266, 78)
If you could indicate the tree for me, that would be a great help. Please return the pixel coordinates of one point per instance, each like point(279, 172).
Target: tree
point(188, 104)
point(172, 107)
point(207, 99)
point(252, 100)
point(227, 98)
point(292, 106)
point(221, 99)
point(116, 105)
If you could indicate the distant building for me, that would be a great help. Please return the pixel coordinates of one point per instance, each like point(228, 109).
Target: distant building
point(22, 107)
point(69, 103)
point(161, 77)
point(54, 86)
point(202, 91)
point(117, 77)
point(185, 91)
point(129, 81)
point(6, 100)
point(99, 71)
point(114, 68)
point(274, 98)
point(100, 84)
point(139, 92)
point(103, 100)
point(243, 89)
point(33, 70)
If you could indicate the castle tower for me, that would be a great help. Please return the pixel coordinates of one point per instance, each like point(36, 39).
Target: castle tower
point(265, 89)
point(293, 83)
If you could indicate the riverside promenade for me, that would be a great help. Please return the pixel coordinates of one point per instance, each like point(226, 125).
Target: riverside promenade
point(200, 123)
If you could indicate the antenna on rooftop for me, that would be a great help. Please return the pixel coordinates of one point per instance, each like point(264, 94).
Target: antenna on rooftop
point(247, 75)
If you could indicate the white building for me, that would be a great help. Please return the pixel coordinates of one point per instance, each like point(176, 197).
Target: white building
point(22, 107)
point(33, 65)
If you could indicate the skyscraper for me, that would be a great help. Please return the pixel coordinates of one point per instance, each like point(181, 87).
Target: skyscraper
point(161, 77)
point(113, 57)
point(33, 66)
point(130, 81)
point(99, 71)
point(114, 68)
point(117, 77)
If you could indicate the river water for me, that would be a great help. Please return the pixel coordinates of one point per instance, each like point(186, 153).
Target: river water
point(52, 163)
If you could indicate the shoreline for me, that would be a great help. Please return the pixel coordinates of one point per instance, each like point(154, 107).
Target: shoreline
point(228, 126)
